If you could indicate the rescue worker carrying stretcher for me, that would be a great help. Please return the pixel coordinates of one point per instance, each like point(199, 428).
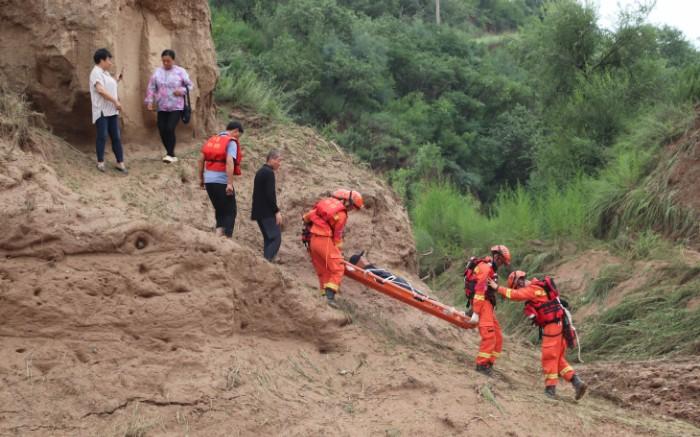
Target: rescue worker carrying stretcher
point(546, 310)
point(323, 232)
point(482, 299)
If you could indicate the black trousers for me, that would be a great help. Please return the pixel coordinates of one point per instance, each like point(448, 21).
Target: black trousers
point(272, 236)
point(224, 207)
point(167, 122)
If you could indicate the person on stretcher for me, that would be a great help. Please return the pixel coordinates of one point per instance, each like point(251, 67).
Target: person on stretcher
point(360, 261)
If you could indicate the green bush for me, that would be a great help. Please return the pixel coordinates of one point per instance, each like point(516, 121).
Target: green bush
point(632, 192)
point(243, 88)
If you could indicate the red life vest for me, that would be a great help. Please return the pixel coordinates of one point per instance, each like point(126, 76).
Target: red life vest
point(544, 313)
point(327, 208)
point(322, 217)
point(470, 280)
point(214, 151)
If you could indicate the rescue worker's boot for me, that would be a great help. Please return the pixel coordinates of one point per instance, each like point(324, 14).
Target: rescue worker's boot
point(579, 386)
point(551, 391)
point(485, 369)
point(330, 298)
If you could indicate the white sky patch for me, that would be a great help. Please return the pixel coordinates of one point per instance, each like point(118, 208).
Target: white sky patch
point(681, 14)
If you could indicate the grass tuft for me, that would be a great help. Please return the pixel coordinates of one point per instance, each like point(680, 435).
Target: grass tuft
point(653, 321)
point(245, 89)
point(17, 119)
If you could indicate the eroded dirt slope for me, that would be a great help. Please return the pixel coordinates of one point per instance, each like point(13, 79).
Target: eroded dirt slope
point(122, 314)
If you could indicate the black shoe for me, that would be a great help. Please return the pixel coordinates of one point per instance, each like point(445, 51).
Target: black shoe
point(330, 298)
point(579, 386)
point(485, 369)
point(551, 391)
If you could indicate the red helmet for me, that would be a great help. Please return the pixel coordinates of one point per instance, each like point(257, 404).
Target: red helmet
point(352, 198)
point(513, 278)
point(503, 251)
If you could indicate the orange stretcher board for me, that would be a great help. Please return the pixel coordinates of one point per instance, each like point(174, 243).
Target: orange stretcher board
point(418, 300)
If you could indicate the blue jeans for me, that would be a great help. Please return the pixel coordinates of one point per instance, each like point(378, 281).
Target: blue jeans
point(105, 125)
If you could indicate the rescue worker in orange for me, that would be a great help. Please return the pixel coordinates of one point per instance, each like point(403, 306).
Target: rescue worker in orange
point(324, 226)
point(546, 310)
point(483, 301)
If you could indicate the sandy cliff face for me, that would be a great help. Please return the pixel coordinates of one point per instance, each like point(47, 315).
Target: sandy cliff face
point(46, 49)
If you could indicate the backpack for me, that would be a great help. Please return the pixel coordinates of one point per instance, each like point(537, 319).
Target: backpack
point(470, 280)
point(552, 311)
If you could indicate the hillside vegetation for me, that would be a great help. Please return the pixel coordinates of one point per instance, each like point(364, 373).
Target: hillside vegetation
point(516, 122)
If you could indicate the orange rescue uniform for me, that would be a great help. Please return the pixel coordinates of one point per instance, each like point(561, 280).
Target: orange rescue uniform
point(489, 329)
point(328, 219)
point(554, 362)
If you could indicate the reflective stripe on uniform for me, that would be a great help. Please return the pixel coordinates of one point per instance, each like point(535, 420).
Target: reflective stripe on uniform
point(508, 291)
point(479, 297)
point(496, 354)
point(331, 285)
point(485, 355)
point(566, 370)
point(551, 376)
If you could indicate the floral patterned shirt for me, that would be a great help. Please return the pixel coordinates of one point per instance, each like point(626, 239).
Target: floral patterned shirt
point(163, 84)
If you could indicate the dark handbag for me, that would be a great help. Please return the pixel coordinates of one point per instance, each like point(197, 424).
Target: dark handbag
point(187, 109)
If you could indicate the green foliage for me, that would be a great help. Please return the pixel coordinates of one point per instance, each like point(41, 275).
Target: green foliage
point(245, 89)
point(560, 46)
point(453, 223)
point(239, 83)
point(458, 227)
point(688, 84)
point(630, 192)
point(656, 320)
point(536, 108)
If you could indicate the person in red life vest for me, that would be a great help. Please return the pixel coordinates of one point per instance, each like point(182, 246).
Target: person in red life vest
point(324, 226)
point(546, 310)
point(219, 161)
point(482, 299)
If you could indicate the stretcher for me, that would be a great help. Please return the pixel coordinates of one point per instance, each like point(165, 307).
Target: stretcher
point(414, 298)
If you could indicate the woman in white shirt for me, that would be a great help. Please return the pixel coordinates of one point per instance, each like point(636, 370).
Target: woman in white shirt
point(105, 109)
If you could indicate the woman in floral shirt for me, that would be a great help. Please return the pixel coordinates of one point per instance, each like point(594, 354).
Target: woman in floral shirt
point(166, 94)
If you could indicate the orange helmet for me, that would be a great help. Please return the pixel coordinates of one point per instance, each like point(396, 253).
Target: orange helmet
point(503, 251)
point(353, 198)
point(513, 278)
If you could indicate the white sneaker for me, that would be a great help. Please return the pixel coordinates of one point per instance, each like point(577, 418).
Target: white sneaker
point(174, 159)
point(101, 166)
point(166, 158)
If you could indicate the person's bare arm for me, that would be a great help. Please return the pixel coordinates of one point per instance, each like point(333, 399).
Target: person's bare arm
point(229, 175)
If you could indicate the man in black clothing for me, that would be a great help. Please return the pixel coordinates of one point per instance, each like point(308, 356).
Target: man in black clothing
point(265, 209)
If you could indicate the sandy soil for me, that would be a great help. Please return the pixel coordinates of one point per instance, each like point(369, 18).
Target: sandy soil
point(123, 315)
point(669, 387)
